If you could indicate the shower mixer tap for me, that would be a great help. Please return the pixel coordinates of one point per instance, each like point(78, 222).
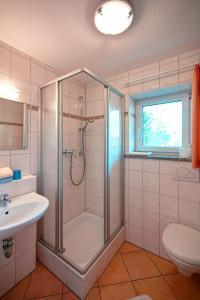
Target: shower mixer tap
point(69, 151)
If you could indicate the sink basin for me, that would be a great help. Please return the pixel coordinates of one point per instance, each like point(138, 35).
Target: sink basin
point(23, 211)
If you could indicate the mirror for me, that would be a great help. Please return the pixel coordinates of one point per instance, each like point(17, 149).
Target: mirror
point(13, 125)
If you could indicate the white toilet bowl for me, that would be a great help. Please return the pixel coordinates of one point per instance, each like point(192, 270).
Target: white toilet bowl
point(182, 244)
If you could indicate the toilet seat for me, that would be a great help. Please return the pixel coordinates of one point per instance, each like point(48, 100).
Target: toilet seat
point(182, 242)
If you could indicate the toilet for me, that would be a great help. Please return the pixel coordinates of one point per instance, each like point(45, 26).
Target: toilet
point(182, 244)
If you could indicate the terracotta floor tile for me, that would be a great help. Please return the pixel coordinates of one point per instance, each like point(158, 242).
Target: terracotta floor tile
point(114, 273)
point(164, 266)
point(43, 283)
point(128, 247)
point(93, 294)
point(156, 288)
point(18, 291)
point(184, 288)
point(54, 297)
point(96, 284)
point(65, 289)
point(70, 296)
point(119, 291)
point(139, 265)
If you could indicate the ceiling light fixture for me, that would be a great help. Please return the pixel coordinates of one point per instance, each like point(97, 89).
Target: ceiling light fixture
point(113, 16)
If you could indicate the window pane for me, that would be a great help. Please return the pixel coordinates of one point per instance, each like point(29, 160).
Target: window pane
point(162, 125)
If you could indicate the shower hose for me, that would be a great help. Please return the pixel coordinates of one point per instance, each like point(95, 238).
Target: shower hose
point(71, 162)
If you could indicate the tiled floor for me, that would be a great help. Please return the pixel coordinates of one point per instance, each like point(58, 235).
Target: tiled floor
point(132, 272)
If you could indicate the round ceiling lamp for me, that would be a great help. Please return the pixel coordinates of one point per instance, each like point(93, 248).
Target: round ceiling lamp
point(113, 16)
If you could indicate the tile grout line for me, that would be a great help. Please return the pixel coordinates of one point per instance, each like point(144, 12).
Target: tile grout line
point(156, 265)
point(114, 283)
point(117, 253)
point(162, 276)
point(26, 289)
point(44, 296)
point(70, 291)
point(128, 273)
point(99, 292)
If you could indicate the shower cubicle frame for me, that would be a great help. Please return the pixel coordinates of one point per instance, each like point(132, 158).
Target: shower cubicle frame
point(58, 250)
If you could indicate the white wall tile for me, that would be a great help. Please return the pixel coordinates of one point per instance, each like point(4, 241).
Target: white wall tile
point(163, 189)
point(168, 167)
point(4, 60)
point(185, 172)
point(135, 216)
point(34, 164)
point(152, 83)
point(34, 121)
point(170, 79)
point(151, 222)
point(34, 142)
point(189, 53)
point(188, 61)
point(169, 64)
point(168, 186)
point(20, 67)
point(4, 161)
point(169, 206)
point(185, 76)
point(151, 165)
point(135, 164)
point(135, 180)
point(135, 198)
point(21, 162)
point(189, 212)
point(35, 95)
point(23, 87)
point(151, 202)
point(151, 182)
point(189, 191)
point(150, 242)
point(134, 235)
point(37, 74)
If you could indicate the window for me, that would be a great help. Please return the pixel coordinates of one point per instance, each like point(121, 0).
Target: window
point(162, 123)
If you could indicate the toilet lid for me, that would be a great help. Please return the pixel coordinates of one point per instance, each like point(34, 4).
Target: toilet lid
point(183, 242)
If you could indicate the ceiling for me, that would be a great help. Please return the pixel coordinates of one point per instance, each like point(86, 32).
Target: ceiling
point(61, 33)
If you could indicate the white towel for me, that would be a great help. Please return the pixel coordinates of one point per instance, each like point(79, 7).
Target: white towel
point(5, 172)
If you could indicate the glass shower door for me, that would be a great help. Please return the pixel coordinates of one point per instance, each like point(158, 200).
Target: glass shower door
point(88, 215)
point(49, 160)
point(115, 161)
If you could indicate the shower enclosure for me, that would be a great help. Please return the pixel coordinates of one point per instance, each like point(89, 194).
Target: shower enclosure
point(81, 167)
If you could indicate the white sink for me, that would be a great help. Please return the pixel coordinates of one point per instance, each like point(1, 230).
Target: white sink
point(23, 211)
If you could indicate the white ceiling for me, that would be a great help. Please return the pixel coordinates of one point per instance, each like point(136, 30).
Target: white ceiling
point(61, 33)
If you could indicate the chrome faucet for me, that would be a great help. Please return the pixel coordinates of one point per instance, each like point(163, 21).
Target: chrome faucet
point(4, 200)
point(69, 151)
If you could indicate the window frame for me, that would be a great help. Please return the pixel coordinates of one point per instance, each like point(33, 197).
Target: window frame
point(175, 97)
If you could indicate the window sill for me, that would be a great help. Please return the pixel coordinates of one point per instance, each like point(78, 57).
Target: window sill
point(157, 156)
